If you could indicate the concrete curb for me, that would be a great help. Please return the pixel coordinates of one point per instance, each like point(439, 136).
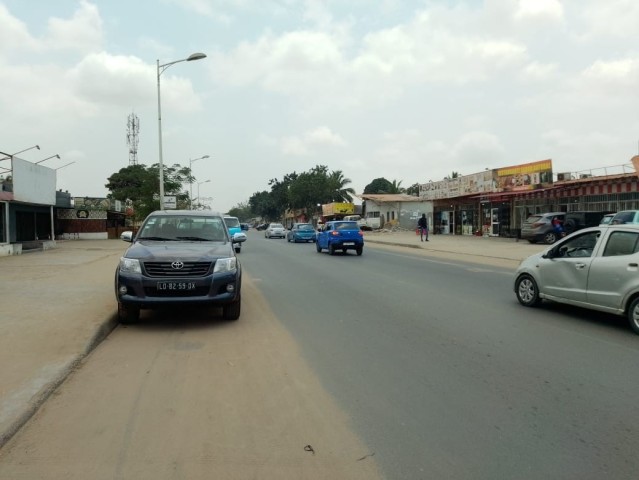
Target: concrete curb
point(31, 408)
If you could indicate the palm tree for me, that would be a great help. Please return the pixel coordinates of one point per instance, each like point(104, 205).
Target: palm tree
point(337, 186)
point(396, 187)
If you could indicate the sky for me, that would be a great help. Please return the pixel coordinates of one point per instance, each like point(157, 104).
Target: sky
point(406, 90)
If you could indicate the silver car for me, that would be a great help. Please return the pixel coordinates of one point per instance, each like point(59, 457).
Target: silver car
point(596, 268)
point(276, 230)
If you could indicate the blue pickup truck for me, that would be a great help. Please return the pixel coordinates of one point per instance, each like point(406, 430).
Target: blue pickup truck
point(340, 235)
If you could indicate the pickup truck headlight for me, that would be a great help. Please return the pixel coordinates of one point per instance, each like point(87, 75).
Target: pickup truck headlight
point(223, 265)
point(130, 265)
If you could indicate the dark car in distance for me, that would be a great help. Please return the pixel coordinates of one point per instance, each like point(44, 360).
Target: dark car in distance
point(574, 221)
point(179, 258)
point(539, 227)
point(340, 235)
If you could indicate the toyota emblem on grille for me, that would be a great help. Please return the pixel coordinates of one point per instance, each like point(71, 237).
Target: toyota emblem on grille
point(177, 265)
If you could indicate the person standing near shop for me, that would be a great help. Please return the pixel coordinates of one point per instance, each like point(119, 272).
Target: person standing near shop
point(422, 224)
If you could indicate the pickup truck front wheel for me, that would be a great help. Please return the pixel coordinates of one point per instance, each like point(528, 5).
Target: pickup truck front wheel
point(231, 311)
point(127, 314)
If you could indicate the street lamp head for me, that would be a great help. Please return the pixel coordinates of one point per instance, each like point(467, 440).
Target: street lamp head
point(205, 156)
point(196, 56)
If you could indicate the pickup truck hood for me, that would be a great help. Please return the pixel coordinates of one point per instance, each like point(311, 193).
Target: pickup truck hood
point(184, 250)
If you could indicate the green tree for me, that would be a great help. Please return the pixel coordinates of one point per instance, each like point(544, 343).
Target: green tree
point(413, 190)
point(309, 189)
point(396, 187)
point(140, 184)
point(379, 185)
point(261, 203)
point(242, 211)
point(337, 184)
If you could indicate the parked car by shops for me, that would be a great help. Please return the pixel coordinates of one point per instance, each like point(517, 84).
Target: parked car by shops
point(539, 227)
point(607, 219)
point(574, 221)
point(625, 217)
point(593, 268)
point(178, 258)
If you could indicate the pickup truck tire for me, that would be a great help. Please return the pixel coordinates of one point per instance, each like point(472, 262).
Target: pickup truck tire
point(359, 250)
point(231, 311)
point(128, 315)
point(633, 315)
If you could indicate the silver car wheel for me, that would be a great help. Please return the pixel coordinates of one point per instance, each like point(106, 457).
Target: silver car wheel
point(633, 315)
point(527, 292)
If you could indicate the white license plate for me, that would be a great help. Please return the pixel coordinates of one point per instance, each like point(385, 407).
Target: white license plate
point(348, 243)
point(176, 286)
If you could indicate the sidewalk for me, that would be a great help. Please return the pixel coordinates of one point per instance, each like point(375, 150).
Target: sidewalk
point(60, 303)
point(57, 305)
point(485, 249)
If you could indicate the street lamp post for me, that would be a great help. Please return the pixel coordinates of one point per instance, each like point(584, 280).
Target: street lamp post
point(65, 165)
point(160, 71)
point(191, 182)
point(198, 188)
point(11, 155)
point(52, 156)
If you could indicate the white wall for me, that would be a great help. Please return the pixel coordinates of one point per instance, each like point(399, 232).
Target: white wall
point(33, 183)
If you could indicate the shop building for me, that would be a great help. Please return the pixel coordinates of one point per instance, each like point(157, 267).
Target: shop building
point(496, 202)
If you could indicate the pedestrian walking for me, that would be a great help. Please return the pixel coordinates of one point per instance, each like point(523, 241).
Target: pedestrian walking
point(422, 224)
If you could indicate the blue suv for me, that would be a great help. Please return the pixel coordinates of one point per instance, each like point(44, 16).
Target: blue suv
point(340, 235)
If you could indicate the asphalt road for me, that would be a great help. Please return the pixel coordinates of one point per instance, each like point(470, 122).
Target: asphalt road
point(445, 375)
point(340, 366)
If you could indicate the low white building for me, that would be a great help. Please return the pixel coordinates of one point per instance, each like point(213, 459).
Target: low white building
point(396, 209)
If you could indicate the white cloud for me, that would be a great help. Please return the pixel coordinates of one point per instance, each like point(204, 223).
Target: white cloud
point(539, 72)
point(82, 32)
point(14, 34)
point(612, 18)
point(614, 74)
point(308, 143)
point(539, 10)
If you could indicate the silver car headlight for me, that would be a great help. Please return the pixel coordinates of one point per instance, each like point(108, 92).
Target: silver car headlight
point(223, 265)
point(130, 265)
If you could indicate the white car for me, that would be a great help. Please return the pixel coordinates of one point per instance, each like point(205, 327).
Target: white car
point(275, 230)
point(595, 268)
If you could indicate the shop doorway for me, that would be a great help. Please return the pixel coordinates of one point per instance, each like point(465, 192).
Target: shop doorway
point(494, 222)
point(447, 224)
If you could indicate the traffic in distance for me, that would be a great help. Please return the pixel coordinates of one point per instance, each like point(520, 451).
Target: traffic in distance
point(190, 257)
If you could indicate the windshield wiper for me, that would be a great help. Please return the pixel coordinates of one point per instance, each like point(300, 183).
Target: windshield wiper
point(195, 239)
point(159, 239)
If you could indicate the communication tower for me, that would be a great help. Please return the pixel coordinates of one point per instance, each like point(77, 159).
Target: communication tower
point(132, 132)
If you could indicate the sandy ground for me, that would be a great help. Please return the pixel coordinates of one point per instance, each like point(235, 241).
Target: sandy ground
point(205, 399)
